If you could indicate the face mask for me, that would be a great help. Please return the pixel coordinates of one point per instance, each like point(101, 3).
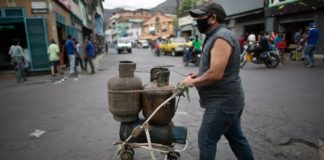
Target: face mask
point(203, 25)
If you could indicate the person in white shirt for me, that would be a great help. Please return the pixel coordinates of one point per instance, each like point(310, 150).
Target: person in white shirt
point(17, 55)
point(251, 39)
point(79, 55)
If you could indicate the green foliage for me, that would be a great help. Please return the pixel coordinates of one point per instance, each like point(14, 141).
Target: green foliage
point(188, 4)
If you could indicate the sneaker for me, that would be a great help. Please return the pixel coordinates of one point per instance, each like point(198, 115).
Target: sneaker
point(305, 63)
point(310, 66)
point(72, 75)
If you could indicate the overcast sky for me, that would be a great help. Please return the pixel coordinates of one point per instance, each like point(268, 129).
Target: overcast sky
point(131, 4)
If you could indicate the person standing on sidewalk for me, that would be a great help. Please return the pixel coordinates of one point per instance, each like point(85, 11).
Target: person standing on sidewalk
point(280, 42)
point(70, 49)
point(16, 53)
point(89, 54)
point(311, 40)
point(219, 85)
point(54, 56)
point(78, 55)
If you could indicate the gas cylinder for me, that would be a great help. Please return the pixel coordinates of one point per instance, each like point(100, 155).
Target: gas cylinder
point(124, 98)
point(155, 93)
point(161, 134)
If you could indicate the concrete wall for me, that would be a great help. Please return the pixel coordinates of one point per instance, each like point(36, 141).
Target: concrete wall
point(320, 25)
point(232, 7)
point(52, 32)
point(49, 17)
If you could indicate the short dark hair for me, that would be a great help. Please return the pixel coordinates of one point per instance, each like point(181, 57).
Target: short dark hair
point(53, 41)
point(16, 41)
point(69, 36)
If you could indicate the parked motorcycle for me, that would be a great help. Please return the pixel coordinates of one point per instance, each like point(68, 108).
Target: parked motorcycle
point(190, 56)
point(270, 58)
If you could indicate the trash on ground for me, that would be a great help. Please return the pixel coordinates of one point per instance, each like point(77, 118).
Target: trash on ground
point(37, 133)
point(180, 112)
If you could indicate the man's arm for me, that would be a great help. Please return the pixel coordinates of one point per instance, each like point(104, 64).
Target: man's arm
point(220, 54)
point(10, 51)
point(58, 50)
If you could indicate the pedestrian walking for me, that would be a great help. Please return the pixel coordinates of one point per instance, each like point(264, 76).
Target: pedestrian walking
point(19, 61)
point(251, 39)
point(78, 56)
point(70, 50)
point(281, 44)
point(89, 54)
point(53, 52)
point(219, 85)
point(241, 42)
point(311, 40)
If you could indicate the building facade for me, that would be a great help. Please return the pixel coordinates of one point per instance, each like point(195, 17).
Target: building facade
point(35, 22)
point(125, 23)
point(159, 26)
point(289, 16)
point(244, 16)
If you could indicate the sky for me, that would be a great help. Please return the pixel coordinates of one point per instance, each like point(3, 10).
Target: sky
point(131, 4)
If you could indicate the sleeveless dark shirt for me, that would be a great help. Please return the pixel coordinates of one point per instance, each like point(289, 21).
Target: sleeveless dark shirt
point(227, 93)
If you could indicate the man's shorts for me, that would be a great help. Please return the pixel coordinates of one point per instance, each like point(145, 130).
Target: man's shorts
point(54, 63)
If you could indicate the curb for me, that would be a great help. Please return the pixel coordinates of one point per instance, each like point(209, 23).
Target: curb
point(12, 73)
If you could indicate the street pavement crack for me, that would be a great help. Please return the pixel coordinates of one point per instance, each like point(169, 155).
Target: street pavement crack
point(291, 141)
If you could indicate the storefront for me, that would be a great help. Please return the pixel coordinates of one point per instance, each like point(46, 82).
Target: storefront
point(248, 22)
point(30, 31)
point(290, 16)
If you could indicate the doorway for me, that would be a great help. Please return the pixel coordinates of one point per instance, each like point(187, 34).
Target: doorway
point(9, 32)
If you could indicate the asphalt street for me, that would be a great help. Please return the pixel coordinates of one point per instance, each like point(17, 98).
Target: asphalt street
point(282, 119)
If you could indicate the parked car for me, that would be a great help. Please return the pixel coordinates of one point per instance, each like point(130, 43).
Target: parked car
point(124, 44)
point(144, 44)
point(175, 46)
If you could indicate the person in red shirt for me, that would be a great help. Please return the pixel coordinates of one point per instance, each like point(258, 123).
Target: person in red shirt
point(281, 44)
point(241, 42)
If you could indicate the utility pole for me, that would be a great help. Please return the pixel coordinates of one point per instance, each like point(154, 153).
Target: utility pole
point(177, 19)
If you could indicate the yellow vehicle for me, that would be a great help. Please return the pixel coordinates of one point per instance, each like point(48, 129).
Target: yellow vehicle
point(174, 46)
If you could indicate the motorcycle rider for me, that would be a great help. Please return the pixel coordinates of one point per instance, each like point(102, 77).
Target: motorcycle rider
point(196, 49)
point(263, 45)
point(196, 43)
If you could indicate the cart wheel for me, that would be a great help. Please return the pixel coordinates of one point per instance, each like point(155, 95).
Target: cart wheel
point(127, 154)
point(173, 155)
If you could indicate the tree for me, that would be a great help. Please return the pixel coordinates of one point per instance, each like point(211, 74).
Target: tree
point(188, 4)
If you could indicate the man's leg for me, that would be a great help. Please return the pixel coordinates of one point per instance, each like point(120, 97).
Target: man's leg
point(81, 63)
point(311, 55)
point(86, 64)
point(52, 71)
point(52, 68)
point(306, 54)
point(237, 141)
point(91, 65)
point(23, 74)
point(76, 64)
point(72, 63)
point(19, 72)
point(58, 67)
point(214, 124)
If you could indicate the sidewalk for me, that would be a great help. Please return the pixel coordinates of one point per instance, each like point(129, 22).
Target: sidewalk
point(7, 78)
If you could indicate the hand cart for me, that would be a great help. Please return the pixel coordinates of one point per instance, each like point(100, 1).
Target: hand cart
point(125, 150)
